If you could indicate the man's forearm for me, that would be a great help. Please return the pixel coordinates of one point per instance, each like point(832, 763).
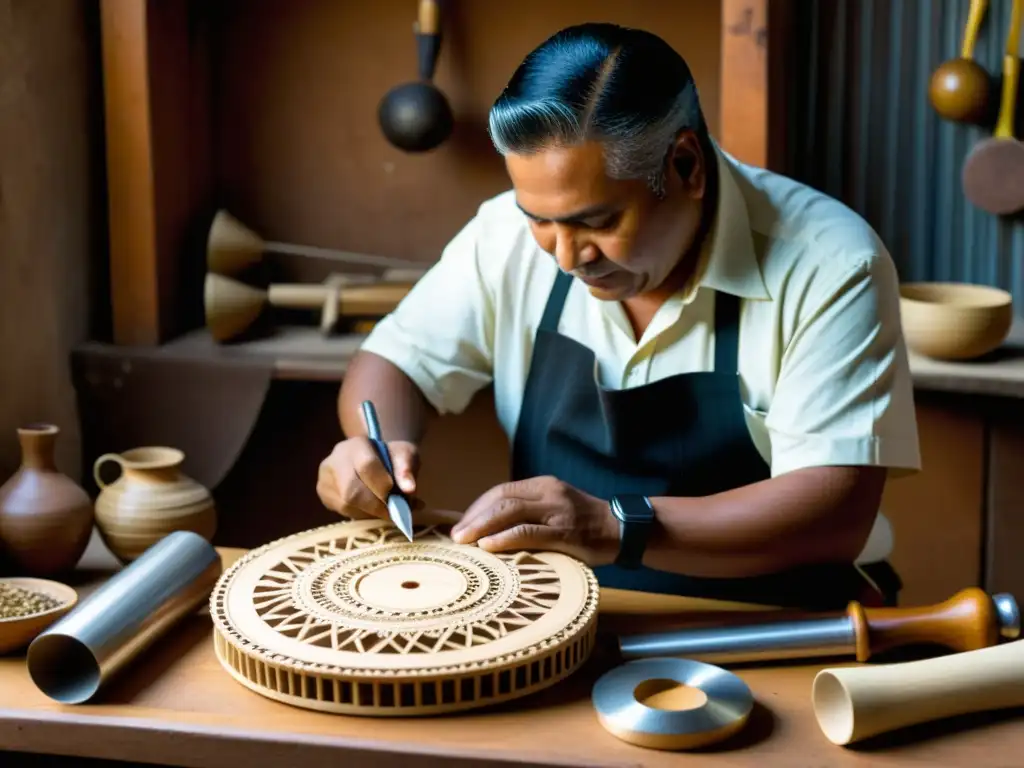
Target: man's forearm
point(821, 514)
point(402, 410)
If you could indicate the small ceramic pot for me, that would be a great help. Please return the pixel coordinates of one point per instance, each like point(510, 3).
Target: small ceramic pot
point(45, 517)
point(150, 499)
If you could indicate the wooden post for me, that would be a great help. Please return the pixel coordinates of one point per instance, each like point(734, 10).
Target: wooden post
point(745, 96)
point(157, 167)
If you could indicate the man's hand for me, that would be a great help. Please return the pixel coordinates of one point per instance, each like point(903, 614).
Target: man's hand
point(354, 482)
point(541, 513)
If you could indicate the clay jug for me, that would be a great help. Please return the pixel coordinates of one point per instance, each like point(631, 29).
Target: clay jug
point(46, 518)
point(150, 499)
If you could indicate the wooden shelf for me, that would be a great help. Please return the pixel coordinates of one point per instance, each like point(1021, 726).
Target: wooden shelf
point(301, 353)
point(1000, 374)
point(294, 352)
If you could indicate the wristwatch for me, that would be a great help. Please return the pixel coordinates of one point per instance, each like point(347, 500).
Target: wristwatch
point(636, 517)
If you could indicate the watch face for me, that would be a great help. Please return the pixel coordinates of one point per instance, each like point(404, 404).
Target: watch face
point(633, 509)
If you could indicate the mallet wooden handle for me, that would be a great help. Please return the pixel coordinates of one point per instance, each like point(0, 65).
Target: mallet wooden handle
point(1011, 75)
point(974, 18)
point(428, 22)
point(965, 622)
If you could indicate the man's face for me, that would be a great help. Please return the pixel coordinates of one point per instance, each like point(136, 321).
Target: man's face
point(615, 236)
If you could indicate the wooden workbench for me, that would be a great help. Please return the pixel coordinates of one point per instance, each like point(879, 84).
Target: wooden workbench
point(177, 706)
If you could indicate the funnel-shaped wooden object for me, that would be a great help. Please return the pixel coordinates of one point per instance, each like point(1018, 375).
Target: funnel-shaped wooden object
point(232, 306)
point(855, 703)
point(231, 248)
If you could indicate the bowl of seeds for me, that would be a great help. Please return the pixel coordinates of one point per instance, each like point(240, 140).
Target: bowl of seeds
point(28, 606)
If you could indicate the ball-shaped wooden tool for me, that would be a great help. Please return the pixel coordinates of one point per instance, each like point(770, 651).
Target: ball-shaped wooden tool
point(415, 117)
point(961, 90)
point(352, 618)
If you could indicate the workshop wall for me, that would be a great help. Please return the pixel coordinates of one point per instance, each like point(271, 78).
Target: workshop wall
point(296, 84)
point(51, 213)
point(861, 128)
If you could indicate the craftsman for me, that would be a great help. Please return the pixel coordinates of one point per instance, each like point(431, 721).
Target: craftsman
point(699, 364)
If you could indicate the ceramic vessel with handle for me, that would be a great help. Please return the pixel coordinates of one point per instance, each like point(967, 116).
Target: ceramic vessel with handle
point(151, 498)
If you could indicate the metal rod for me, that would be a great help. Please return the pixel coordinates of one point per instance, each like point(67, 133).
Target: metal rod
point(398, 506)
point(316, 252)
point(373, 427)
point(776, 640)
point(1008, 614)
point(74, 658)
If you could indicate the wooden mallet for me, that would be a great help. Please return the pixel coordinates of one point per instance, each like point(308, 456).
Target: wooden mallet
point(960, 88)
point(993, 174)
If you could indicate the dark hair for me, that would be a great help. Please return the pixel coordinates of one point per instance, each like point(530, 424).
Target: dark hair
point(626, 88)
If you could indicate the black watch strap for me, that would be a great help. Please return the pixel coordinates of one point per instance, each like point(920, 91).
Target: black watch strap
point(636, 517)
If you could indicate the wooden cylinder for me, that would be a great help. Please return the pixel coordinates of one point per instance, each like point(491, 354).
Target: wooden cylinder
point(374, 300)
point(857, 702)
point(297, 296)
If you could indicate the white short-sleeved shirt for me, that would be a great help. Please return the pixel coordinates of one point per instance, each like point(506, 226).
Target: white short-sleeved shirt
point(822, 362)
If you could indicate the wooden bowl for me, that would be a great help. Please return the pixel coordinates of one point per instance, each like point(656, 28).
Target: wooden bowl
point(18, 631)
point(954, 321)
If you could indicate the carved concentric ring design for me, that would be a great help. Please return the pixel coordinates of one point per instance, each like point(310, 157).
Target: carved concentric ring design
point(464, 586)
point(357, 601)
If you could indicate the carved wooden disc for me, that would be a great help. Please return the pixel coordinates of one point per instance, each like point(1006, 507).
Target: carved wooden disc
point(353, 618)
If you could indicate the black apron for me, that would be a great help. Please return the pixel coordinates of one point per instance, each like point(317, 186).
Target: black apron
point(685, 435)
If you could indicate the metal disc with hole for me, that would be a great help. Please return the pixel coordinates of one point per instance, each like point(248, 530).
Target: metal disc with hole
point(634, 702)
point(353, 618)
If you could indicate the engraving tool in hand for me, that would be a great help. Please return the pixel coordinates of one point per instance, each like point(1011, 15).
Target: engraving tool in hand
point(398, 506)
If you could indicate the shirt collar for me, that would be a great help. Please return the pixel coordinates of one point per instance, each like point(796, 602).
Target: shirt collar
point(728, 261)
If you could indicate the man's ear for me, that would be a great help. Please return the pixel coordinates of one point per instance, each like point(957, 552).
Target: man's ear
point(688, 165)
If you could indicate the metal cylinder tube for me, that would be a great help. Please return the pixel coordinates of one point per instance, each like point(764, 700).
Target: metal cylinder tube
point(72, 660)
point(775, 640)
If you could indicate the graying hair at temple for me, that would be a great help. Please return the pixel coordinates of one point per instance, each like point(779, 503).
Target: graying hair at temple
point(625, 88)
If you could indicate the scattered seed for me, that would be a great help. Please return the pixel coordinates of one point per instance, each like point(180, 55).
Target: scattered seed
point(18, 602)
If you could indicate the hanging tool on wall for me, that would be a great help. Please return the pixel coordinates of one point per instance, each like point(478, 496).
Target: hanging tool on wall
point(232, 247)
point(232, 306)
point(961, 89)
point(416, 116)
point(993, 174)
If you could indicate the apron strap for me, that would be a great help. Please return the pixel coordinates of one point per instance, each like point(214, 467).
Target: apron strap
point(556, 300)
point(727, 321)
point(727, 332)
